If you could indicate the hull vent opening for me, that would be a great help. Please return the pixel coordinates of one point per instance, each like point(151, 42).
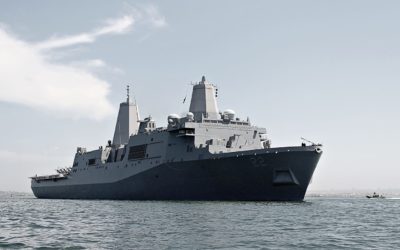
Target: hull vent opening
point(284, 177)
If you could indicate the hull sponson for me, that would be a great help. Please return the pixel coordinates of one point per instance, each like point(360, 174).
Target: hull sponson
point(242, 178)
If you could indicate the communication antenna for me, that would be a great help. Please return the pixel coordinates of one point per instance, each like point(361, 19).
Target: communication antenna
point(187, 89)
point(127, 93)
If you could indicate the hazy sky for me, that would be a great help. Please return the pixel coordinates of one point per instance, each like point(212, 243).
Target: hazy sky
point(325, 70)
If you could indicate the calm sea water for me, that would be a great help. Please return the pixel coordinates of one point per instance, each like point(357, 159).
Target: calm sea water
point(319, 222)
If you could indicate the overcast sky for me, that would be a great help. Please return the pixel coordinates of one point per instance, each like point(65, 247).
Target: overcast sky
point(325, 70)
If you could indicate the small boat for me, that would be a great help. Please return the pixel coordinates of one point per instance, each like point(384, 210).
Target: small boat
point(375, 196)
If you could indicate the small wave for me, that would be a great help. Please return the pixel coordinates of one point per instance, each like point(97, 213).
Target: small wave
point(48, 248)
point(393, 198)
point(35, 225)
point(12, 245)
point(75, 247)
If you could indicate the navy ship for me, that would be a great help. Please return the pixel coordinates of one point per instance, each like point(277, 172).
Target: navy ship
point(203, 155)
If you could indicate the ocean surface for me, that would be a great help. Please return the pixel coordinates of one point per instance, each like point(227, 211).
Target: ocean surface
point(319, 222)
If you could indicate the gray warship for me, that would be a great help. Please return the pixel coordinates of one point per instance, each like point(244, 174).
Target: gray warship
point(203, 155)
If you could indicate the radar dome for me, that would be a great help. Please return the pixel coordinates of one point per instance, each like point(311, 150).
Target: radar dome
point(230, 114)
point(172, 118)
point(190, 116)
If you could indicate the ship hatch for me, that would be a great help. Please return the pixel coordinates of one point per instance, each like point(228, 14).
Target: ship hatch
point(137, 152)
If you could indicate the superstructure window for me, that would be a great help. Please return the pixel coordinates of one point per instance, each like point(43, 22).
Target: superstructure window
point(137, 152)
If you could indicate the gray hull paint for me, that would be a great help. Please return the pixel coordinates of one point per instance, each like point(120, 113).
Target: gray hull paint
point(249, 177)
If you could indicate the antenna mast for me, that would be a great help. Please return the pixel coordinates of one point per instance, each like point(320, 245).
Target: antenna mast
point(127, 93)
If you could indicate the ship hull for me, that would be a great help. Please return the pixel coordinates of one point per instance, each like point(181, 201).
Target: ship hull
point(271, 176)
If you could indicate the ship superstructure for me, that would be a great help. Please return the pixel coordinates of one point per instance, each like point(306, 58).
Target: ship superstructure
point(204, 155)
